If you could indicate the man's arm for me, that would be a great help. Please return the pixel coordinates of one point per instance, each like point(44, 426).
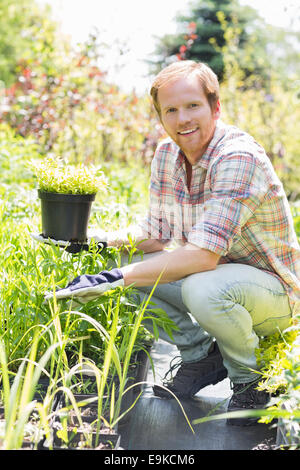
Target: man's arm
point(173, 265)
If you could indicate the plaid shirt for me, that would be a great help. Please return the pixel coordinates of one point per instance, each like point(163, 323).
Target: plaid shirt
point(236, 206)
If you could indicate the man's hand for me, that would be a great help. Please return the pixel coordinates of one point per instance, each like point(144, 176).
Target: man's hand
point(88, 287)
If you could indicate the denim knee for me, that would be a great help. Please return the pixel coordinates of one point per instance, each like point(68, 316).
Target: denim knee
point(199, 296)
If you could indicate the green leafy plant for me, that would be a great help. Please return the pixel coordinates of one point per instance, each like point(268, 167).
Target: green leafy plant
point(53, 175)
point(18, 397)
point(272, 358)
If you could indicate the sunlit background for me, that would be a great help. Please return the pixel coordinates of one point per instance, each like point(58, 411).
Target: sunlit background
point(76, 74)
point(133, 25)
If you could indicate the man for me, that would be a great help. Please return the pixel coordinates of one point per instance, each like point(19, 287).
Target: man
point(235, 275)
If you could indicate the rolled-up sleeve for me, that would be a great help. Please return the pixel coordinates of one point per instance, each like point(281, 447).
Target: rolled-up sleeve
point(238, 186)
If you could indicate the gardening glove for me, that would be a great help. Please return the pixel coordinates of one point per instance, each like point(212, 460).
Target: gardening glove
point(70, 247)
point(88, 287)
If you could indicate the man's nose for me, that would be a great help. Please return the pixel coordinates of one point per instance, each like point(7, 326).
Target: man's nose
point(183, 116)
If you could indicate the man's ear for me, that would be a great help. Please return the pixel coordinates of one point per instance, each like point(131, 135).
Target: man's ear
point(217, 111)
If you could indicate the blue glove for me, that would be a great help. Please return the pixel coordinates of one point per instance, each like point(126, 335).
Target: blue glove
point(88, 287)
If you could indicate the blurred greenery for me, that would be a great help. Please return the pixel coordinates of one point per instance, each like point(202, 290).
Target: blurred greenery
point(59, 95)
point(27, 34)
point(204, 16)
point(268, 109)
point(200, 29)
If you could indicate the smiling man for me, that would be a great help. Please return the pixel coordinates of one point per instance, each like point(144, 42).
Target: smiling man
point(235, 275)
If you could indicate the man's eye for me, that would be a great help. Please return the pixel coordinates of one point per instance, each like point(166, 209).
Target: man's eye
point(193, 105)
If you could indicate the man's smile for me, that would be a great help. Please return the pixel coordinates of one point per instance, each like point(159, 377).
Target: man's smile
point(188, 131)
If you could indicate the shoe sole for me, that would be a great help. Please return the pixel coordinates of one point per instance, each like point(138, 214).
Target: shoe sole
point(209, 379)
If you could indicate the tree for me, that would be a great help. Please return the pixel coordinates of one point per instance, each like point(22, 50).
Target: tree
point(209, 39)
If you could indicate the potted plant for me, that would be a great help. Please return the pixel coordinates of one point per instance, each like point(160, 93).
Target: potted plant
point(66, 193)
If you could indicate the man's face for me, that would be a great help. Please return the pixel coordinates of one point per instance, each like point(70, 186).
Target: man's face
point(187, 117)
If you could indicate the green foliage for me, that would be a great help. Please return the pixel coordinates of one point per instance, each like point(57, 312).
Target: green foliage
point(26, 34)
point(71, 110)
point(102, 334)
point(262, 106)
point(28, 269)
point(296, 215)
point(273, 361)
point(208, 32)
point(279, 358)
point(18, 398)
point(15, 151)
point(13, 20)
point(54, 175)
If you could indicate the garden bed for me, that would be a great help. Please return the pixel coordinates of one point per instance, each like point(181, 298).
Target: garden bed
point(82, 428)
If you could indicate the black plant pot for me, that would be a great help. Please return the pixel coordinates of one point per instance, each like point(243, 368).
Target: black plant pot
point(65, 216)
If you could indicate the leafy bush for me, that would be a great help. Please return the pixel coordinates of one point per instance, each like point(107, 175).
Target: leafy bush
point(74, 112)
point(263, 107)
point(272, 357)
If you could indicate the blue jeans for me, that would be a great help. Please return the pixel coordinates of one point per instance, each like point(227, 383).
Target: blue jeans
point(235, 304)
